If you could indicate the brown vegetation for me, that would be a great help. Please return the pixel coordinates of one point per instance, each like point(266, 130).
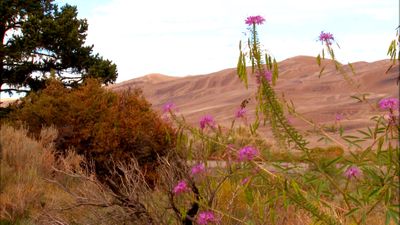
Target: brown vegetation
point(101, 125)
point(37, 188)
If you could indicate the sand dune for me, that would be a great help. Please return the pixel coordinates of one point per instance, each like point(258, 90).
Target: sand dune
point(317, 98)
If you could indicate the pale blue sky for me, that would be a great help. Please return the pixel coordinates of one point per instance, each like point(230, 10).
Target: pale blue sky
point(188, 37)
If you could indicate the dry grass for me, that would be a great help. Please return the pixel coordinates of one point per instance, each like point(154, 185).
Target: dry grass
point(37, 188)
point(23, 164)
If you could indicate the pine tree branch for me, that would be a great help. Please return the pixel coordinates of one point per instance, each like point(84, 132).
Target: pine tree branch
point(14, 89)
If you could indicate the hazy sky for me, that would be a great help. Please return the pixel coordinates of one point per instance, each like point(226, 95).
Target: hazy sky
point(187, 37)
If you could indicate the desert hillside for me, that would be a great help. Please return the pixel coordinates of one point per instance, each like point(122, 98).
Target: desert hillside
point(220, 93)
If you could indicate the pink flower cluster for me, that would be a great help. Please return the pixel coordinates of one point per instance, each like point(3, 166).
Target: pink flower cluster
point(247, 153)
point(207, 120)
point(326, 37)
point(169, 106)
point(267, 76)
point(352, 171)
point(245, 181)
point(241, 113)
point(197, 169)
point(338, 117)
point(206, 217)
point(389, 103)
point(289, 119)
point(180, 187)
point(254, 20)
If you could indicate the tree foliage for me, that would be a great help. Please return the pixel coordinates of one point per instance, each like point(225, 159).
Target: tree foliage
point(38, 37)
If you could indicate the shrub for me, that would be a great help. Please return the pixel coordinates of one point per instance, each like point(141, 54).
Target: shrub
point(23, 164)
point(101, 125)
point(37, 188)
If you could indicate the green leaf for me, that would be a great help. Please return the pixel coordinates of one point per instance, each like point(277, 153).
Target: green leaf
point(350, 137)
point(380, 144)
point(254, 126)
point(352, 68)
point(388, 196)
point(364, 218)
point(250, 222)
point(249, 196)
point(241, 69)
point(351, 212)
point(321, 139)
point(365, 153)
point(341, 130)
point(374, 192)
point(337, 65)
point(354, 199)
point(332, 54)
point(365, 133)
point(333, 161)
point(370, 132)
point(275, 72)
point(391, 47)
point(392, 214)
point(351, 142)
point(355, 97)
point(321, 71)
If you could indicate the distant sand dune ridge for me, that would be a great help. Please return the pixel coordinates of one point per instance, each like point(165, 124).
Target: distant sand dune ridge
point(317, 98)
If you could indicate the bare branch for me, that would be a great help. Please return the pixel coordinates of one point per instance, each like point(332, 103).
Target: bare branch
point(14, 25)
point(14, 89)
point(44, 54)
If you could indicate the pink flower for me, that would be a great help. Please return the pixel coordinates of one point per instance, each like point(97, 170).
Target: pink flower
point(326, 37)
point(289, 119)
point(207, 120)
point(197, 169)
point(241, 113)
point(245, 181)
point(206, 217)
point(338, 116)
point(169, 106)
point(352, 171)
point(267, 76)
point(180, 187)
point(247, 153)
point(254, 20)
point(389, 103)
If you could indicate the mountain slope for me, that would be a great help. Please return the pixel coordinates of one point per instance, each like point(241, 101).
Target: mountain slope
point(318, 98)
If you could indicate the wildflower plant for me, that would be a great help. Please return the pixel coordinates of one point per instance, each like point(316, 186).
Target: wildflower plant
point(340, 189)
point(394, 51)
point(180, 187)
point(350, 182)
point(206, 217)
point(207, 121)
point(247, 153)
point(197, 169)
point(389, 103)
point(241, 113)
point(169, 106)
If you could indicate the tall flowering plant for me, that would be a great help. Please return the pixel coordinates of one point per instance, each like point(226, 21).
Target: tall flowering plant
point(339, 181)
point(350, 187)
